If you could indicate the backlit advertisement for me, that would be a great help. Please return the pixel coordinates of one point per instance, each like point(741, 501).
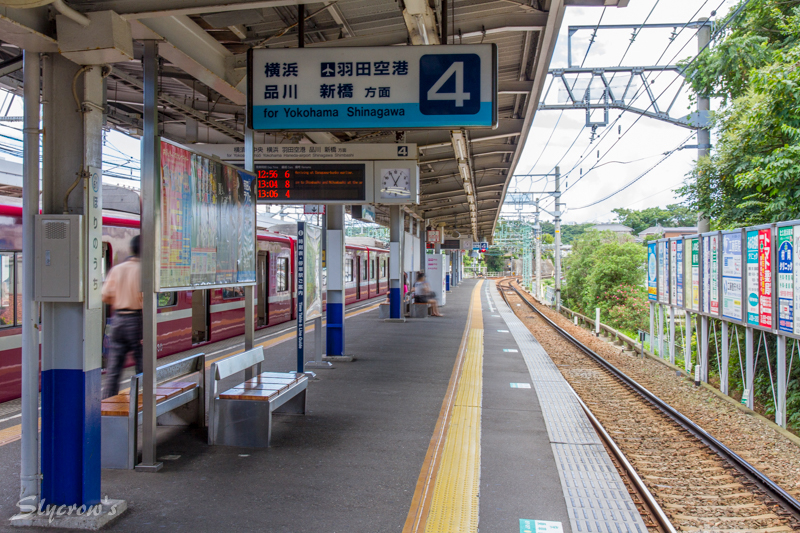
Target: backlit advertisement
point(752, 277)
point(652, 273)
point(785, 279)
point(732, 276)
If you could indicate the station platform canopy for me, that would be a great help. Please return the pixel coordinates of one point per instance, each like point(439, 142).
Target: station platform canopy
point(204, 43)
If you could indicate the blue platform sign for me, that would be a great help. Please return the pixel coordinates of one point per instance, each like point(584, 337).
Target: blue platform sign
point(392, 87)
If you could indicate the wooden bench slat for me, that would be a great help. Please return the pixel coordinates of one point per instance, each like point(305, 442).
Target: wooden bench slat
point(114, 409)
point(249, 394)
point(290, 375)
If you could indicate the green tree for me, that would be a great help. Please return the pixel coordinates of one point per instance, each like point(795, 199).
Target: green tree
point(601, 263)
point(753, 174)
point(673, 216)
point(569, 232)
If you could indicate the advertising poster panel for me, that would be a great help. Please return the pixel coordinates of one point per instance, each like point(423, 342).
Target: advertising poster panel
point(663, 272)
point(752, 278)
point(796, 280)
point(246, 268)
point(714, 274)
point(679, 269)
point(313, 277)
point(732, 276)
point(765, 278)
point(652, 273)
point(705, 261)
point(176, 216)
point(207, 222)
point(694, 247)
point(785, 279)
point(675, 273)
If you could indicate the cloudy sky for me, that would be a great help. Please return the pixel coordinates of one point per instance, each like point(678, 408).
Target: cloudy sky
point(629, 147)
point(619, 153)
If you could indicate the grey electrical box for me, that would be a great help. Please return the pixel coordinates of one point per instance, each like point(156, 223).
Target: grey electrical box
point(59, 258)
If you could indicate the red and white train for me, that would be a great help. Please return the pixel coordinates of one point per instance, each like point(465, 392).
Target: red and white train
point(186, 319)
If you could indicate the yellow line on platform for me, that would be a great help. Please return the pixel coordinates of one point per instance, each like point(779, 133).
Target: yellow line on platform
point(13, 433)
point(446, 495)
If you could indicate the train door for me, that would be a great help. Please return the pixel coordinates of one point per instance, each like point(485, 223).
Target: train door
point(201, 316)
point(358, 277)
point(262, 289)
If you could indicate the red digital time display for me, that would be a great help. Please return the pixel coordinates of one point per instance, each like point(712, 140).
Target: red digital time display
point(297, 183)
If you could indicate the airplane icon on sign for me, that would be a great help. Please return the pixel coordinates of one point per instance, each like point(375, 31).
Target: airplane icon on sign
point(328, 70)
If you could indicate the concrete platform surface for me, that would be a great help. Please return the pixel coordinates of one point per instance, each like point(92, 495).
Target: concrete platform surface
point(353, 462)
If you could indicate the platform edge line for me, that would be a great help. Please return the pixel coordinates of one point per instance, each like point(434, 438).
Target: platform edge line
point(420, 502)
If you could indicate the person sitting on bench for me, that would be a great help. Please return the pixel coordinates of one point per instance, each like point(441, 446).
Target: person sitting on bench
point(424, 294)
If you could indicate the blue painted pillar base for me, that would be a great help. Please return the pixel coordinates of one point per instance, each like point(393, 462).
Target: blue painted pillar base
point(395, 303)
point(335, 330)
point(447, 282)
point(71, 436)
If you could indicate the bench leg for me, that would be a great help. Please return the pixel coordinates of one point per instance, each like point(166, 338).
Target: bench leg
point(295, 406)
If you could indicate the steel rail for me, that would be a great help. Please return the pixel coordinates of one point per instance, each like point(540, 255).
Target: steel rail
point(772, 489)
point(653, 508)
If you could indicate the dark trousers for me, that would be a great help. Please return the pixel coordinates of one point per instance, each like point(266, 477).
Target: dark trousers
point(126, 336)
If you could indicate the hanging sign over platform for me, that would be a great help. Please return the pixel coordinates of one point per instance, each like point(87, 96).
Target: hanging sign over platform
point(391, 87)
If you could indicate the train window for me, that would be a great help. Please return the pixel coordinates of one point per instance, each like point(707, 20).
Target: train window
point(7, 311)
point(383, 268)
point(167, 299)
point(18, 273)
point(229, 293)
point(348, 270)
point(365, 271)
point(282, 274)
point(372, 269)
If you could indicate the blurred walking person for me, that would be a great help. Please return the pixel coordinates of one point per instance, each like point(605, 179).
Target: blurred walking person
point(122, 290)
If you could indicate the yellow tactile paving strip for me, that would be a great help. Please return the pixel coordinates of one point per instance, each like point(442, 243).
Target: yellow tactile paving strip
point(446, 497)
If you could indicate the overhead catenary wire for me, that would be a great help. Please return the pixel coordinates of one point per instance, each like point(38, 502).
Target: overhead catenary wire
point(637, 178)
point(719, 30)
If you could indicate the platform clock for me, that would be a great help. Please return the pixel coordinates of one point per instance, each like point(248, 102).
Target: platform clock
point(395, 183)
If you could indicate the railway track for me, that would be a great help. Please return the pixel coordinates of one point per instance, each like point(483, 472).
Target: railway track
point(699, 483)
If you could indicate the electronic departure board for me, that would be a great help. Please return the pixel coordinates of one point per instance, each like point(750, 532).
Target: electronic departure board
point(299, 183)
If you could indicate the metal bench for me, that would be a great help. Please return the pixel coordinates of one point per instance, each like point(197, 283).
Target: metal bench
point(420, 310)
point(180, 401)
point(242, 415)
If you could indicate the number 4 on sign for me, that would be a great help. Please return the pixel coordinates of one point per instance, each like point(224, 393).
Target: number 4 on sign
point(457, 70)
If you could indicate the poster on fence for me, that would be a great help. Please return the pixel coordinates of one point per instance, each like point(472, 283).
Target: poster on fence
point(694, 271)
point(705, 263)
point(732, 275)
point(765, 278)
point(714, 274)
point(785, 279)
point(679, 270)
point(673, 269)
point(207, 222)
point(652, 273)
point(752, 278)
point(663, 272)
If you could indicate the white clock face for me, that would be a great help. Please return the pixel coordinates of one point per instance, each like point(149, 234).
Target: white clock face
point(395, 183)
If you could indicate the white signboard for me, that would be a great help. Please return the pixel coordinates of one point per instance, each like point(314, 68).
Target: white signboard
point(732, 276)
point(663, 272)
point(392, 87)
point(312, 152)
point(673, 268)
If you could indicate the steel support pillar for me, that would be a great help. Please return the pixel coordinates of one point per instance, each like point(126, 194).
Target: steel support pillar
point(702, 343)
point(723, 368)
point(150, 185)
point(395, 262)
point(334, 259)
point(249, 290)
point(749, 371)
point(652, 328)
point(72, 332)
point(661, 331)
point(672, 335)
point(780, 409)
point(29, 452)
point(687, 351)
